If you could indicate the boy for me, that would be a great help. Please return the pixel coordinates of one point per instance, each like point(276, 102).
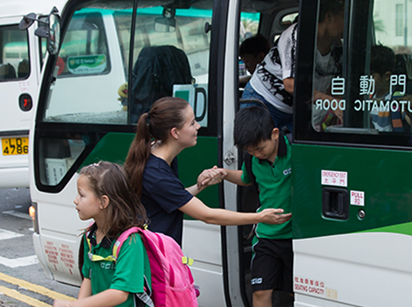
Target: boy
point(253, 50)
point(382, 64)
point(255, 131)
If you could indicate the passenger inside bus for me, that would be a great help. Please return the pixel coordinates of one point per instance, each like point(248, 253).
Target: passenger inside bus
point(382, 65)
point(7, 72)
point(23, 69)
point(328, 60)
point(252, 51)
point(273, 81)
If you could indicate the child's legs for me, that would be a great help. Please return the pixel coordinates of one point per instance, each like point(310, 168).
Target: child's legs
point(271, 269)
point(262, 298)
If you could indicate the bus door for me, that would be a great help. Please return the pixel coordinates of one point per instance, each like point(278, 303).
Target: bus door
point(269, 21)
point(352, 214)
point(21, 57)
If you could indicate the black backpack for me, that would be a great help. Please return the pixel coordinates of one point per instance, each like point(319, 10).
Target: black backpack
point(156, 70)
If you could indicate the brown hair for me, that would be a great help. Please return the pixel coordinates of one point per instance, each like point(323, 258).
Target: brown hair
point(124, 209)
point(165, 114)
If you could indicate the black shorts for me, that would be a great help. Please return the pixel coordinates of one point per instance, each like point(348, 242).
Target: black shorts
point(272, 265)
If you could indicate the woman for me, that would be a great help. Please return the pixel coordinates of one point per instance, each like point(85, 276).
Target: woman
point(152, 171)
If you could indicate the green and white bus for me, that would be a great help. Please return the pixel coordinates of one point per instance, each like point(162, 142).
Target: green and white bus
point(351, 201)
point(21, 58)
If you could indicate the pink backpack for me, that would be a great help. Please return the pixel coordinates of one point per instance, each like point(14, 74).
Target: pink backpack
point(172, 280)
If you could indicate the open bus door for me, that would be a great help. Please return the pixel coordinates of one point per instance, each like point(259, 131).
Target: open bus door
point(22, 55)
point(352, 213)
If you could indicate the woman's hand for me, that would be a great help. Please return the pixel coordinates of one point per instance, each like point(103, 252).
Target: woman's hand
point(210, 177)
point(274, 216)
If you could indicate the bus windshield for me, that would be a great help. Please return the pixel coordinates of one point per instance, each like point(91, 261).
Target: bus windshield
point(95, 60)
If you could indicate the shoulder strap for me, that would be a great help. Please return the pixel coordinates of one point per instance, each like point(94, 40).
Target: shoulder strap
point(248, 165)
point(120, 240)
point(116, 246)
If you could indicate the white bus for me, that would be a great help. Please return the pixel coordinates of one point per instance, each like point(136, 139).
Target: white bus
point(351, 196)
point(21, 58)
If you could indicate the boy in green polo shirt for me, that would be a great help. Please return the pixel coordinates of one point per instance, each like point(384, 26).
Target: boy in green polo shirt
point(272, 260)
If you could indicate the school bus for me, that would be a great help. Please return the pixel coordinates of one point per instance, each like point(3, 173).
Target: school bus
point(22, 55)
point(351, 207)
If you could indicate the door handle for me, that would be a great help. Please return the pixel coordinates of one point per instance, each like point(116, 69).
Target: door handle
point(335, 203)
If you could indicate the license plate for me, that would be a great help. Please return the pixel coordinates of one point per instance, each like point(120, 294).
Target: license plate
point(15, 146)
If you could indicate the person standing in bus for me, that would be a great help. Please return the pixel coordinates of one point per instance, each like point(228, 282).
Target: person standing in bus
point(267, 165)
point(105, 196)
point(274, 78)
point(252, 51)
point(152, 171)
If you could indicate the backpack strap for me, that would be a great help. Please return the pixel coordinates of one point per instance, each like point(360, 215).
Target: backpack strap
point(116, 247)
point(248, 165)
point(120, 240)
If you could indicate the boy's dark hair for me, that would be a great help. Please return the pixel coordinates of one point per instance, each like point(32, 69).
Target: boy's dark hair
point(252, 125)
point(382, 60)
point(254, 45)
point(330, 6)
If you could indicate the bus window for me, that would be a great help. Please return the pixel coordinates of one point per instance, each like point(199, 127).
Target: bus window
point(362, 84)
point(84, 53)
point(176, 56)
point(14, 52)
point(84, 50)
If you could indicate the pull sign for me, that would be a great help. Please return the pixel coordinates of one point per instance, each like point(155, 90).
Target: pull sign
point(25, 102)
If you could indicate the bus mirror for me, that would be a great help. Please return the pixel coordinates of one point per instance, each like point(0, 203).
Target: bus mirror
point(49, 28)
point(27, 21)
point(163, 24)
point(53, 38)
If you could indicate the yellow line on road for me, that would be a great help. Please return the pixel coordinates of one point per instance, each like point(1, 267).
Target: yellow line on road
point(35, 288)
point(22, 298)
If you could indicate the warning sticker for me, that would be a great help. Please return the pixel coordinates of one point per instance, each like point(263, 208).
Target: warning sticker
point(335, 178)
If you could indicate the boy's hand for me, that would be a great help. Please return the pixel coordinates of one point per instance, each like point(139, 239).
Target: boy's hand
point(274, 216)
point(210, 177)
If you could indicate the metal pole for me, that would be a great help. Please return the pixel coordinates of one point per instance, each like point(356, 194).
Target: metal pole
point(406, 24)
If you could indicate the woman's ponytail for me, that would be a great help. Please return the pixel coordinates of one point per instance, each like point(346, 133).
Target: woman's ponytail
point(139, 153)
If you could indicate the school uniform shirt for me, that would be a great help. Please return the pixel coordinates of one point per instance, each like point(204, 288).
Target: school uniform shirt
point(127, 274)
point(162, 196)
point(279, 64)
point(275, 189)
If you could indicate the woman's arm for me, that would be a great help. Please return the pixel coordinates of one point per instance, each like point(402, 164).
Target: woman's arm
point(235, 176)
point(207, 178)
point(198, 210)
point(107, 298)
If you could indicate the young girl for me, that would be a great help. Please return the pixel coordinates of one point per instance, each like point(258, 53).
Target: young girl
point(104, 195)
point(152, 171)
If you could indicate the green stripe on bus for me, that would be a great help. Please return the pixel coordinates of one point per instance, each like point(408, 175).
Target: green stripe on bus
point(405, 229)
